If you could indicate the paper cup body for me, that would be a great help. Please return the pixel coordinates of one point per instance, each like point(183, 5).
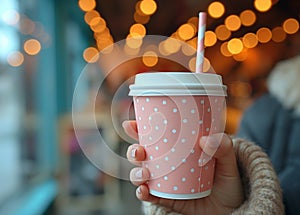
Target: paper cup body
point(172, 114)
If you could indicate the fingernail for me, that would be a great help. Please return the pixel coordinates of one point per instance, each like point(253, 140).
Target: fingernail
point(133, 152)
point(139, 174)
point(124, 124)
point(138, 190)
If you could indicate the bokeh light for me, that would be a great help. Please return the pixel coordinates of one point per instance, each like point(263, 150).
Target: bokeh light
point(263, 5)
point(216, 9)
point(264, 35)
point(206, 65)
point(15, 59)
point(32, 46)
point(250, 40)
point(186, 31)
point(188, 49)
point(222, 32)
point(192, 64)
point(247, 17)
point(98, 24)
point(224, 50)
point(137, 30)
point(103, 41)
point(233, 22)
point(87, 5)
point(134, 42)
point(290, 26)
point(148, 7)
point(150, 58)
point(90, 54)
point(90, 15)
point(278, 34)
point(210, 38)
point(171, 45)
point(235, 46)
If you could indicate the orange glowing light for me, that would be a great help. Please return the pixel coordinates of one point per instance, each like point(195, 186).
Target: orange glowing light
point(15, 59)
point(150, 58)
point(264, 35)
point(192, 64)
point(278, 34)
point(222, 32)
point(206, 65)
point(162, 50)
point(87, 5)
point(98, 24)
point(32, 47)
point(137, 30)
point(250, 40)
point(186, 31)
point(90, 15)
point(290, 26)
point(247, 17)
point(263, 5)
point(224, 49)
point(235, 46)
point(134, 42)
point(90, 55)
point(233, 22)
point(141, 18)
point(171, 45)
point(103, 42)
point(216, 9)
point(210, 38)
point(148, 7)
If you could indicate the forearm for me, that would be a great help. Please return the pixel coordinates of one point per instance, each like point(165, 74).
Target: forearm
point(261, 185)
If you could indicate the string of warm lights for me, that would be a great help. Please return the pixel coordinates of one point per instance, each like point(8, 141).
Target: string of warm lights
point(187, 32)
point(230, 47)
point(144, 9)
point(98, 25)
point(235, 46)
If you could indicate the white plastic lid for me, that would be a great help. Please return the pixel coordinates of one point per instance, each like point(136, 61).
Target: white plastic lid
point(177, 83)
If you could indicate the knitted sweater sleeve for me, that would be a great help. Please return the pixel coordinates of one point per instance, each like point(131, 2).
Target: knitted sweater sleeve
point(261, 186)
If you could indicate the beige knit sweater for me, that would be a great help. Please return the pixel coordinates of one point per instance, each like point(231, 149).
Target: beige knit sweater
point(261, 186)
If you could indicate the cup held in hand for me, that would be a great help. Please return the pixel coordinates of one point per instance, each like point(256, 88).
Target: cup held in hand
point(173, 111)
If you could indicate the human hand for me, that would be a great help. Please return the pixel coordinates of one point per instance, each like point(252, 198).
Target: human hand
point(227, 193)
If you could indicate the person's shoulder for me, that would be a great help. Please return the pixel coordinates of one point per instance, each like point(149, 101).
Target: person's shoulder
point(258, 120)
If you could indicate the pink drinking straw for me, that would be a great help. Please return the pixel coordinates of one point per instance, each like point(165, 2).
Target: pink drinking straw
point(200, 47)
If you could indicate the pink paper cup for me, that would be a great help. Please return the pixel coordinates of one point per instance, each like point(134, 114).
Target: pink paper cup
point(173, 111)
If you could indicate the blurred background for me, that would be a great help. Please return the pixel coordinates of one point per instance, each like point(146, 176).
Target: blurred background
point(46, 44)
